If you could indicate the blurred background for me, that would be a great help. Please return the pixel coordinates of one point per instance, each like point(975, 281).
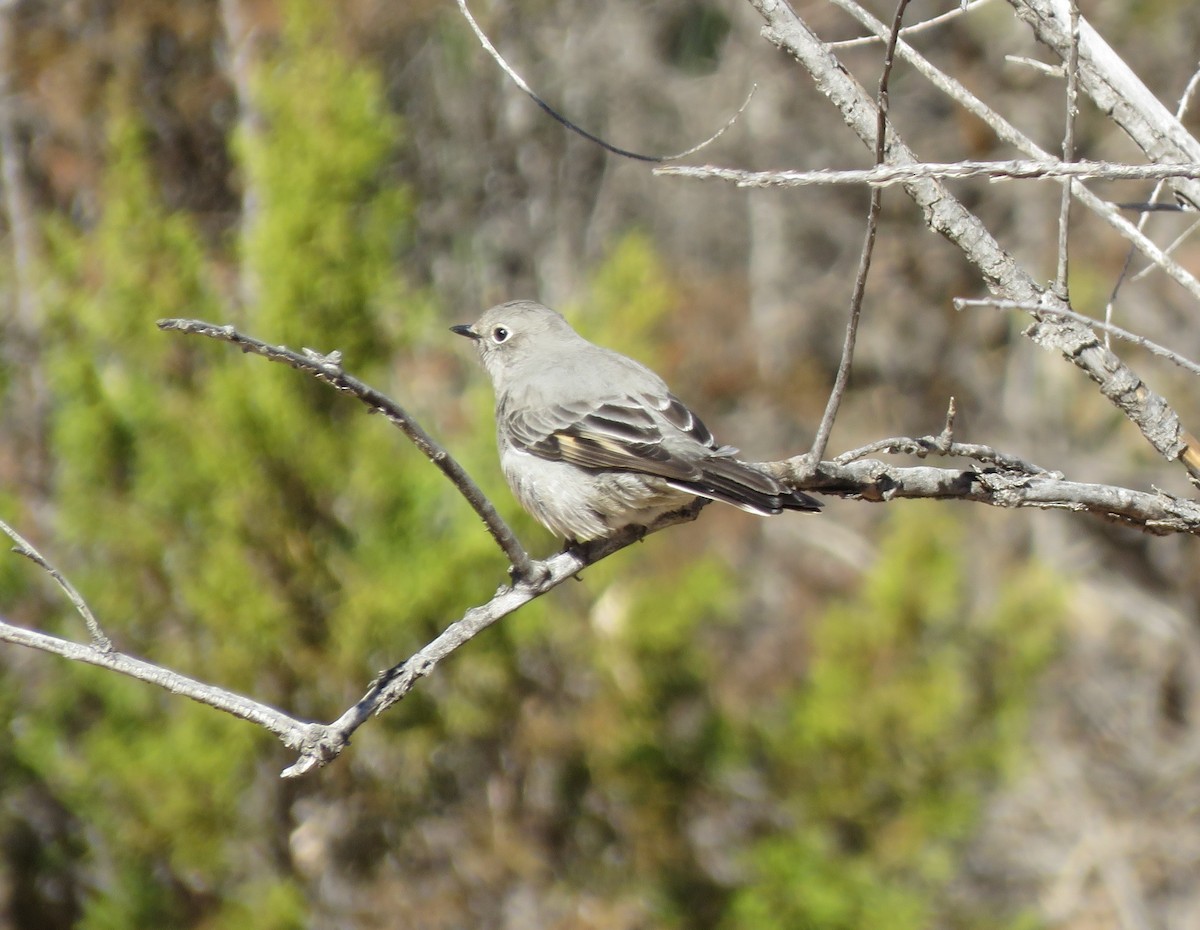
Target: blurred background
point(918, 715)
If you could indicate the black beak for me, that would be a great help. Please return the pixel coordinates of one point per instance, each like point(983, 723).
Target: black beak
point(464, 330)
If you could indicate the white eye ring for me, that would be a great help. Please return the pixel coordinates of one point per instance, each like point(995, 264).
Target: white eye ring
point(500, 334)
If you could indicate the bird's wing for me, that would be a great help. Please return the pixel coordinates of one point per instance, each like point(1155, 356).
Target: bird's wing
point(652, 433)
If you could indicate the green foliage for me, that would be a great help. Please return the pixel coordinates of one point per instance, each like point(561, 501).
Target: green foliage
point(242, 523)
point(915, 706)
point(628, 297)
point(319, 168)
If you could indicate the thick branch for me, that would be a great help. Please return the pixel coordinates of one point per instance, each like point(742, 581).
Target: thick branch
point(872, 480)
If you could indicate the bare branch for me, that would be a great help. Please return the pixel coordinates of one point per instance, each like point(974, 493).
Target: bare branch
point(922, 26)
point(1185, 101)
point(870, 480)
point(101, 653)
point(1054, 71)
point(289, 730)
point(1169, 250)
point(328, 368)
point(1028, 169)
point(1117, 91)
point(946, 215)
point(961, 303)
point(1013, 136)
point(327, 742)
point(1046, 169)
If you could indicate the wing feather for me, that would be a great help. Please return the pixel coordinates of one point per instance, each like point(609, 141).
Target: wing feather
point(652, 434)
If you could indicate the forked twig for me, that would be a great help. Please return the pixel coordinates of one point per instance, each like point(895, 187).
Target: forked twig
point(100, 640)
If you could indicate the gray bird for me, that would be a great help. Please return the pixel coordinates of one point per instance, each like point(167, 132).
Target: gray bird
point(591, 441)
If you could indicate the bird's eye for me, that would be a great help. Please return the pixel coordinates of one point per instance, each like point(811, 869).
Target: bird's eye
point(499, 334)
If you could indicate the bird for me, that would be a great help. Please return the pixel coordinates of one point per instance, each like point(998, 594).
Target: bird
point(592, 442)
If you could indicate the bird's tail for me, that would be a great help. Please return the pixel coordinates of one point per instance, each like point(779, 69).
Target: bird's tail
point(744, 486)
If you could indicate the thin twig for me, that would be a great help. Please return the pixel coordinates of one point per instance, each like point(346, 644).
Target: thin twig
point(946, 437)
point(943, 444)
point(1061, 286)
point(1185, 100)
point(939, 20)
point(100, 640)
point(550, 111)
point(925, 446)
point(1167, 250)
point(842, 379)
point(1054, 71)
point(328, 368)
point(961, 303)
